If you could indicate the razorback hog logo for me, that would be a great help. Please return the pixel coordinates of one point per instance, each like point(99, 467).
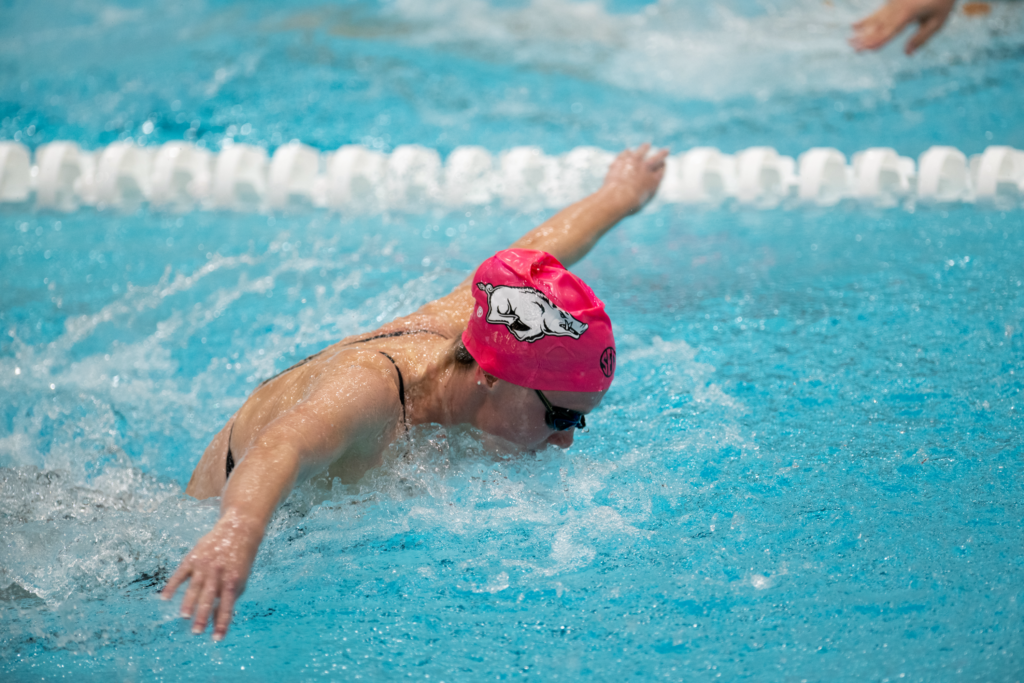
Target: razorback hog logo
point(528, 314)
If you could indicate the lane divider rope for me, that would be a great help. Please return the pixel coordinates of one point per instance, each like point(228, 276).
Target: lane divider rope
point(180, 176)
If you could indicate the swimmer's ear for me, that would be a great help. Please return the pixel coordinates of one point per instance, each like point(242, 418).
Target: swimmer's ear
point(488, 380)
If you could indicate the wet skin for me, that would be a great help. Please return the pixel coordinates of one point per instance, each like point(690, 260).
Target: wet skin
point(339, 411)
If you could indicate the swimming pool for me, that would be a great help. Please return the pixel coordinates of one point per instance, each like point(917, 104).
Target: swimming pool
point(807, 469)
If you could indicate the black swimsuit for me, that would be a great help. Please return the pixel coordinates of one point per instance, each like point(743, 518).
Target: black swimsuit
point(230, 462)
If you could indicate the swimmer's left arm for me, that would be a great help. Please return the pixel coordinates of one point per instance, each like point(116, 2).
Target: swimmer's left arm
point(631, 181)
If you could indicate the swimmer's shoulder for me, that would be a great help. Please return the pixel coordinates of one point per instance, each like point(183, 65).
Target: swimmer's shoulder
point(419, 327)
point(450, 312)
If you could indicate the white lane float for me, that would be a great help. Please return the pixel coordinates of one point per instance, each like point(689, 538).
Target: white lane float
point(122, 176)
point(881, 176)
point(15, 172)
point(942, 175)
point(355, 180)
point(703, 175)
point(469, 177)
point(413, 179)
point(707, 176)
point(580, 172)
point(181, 176)
point(292, 180)
point(239, 178)
point(63, 172)
point(822, 176)
point(997, 175)
point(526, 175)
point(178, 176)
point(763, 176)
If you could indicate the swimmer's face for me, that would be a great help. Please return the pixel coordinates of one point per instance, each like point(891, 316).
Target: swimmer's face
point(516, 414)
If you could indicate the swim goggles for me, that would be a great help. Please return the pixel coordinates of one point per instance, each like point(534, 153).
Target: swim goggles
point(561, 419)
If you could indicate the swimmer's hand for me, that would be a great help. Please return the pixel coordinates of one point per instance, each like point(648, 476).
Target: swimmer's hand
point(631, 181)
point(878, 29)
point(217, 569)
point(635, 176)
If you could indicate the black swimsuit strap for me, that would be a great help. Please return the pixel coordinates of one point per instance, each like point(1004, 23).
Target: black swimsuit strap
point(399, 333)
point(291, 367)
point(401, 382)
point(230, 465)
point(231, 460)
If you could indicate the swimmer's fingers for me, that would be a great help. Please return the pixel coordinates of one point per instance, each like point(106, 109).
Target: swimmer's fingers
point(192, 594)
point(877, 30)
point(929, 27)
point(206, 599)
point(636, 174)
point(656, 161)
point(180, 576)
point(880, 17)
point(225, 610)
point(865, 22)
point(653, 166)
point(628, 158)
point(642, 157)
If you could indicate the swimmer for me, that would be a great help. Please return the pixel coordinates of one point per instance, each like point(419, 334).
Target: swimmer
point(873, 32)
point(522, 350)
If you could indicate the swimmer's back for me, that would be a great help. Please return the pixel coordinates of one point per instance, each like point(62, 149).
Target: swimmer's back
point(385, 353)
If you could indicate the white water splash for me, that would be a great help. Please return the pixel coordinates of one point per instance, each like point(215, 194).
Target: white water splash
point(693, 377)
point(707, 52)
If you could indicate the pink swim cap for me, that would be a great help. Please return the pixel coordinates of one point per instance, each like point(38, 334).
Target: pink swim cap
point(537, 325)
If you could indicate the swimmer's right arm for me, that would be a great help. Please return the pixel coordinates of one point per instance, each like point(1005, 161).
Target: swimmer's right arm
point(340, 417)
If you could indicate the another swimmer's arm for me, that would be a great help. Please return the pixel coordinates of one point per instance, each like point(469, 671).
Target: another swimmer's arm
point(632, 180)
point(339, 417)
point(876, 30)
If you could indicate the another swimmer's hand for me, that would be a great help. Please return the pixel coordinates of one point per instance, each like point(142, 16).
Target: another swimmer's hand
point(878, 29)
point(217, 569)
point(635, 175)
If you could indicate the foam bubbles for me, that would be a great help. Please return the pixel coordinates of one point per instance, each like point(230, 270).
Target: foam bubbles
point(718, 52)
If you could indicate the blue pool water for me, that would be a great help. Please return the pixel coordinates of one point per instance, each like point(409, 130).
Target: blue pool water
point(807, 469)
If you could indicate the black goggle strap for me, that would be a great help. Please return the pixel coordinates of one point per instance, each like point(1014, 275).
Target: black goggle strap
point(561, 419)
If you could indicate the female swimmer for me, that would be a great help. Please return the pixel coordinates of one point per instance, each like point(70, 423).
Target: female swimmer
point(522, 350)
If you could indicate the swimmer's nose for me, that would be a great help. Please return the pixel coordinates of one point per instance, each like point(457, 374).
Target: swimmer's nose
point(562, 439)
